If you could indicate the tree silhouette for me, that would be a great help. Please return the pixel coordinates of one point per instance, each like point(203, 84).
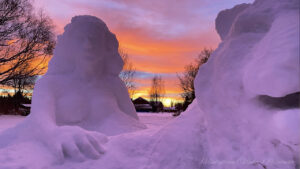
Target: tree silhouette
point(186, 80)
point(128, 72)
point(157, 90)
point(26, 39)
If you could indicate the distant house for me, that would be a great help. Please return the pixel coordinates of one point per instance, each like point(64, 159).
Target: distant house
point(142, 105)
point(157, 106)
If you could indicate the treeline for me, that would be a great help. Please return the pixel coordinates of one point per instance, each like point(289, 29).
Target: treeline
point(14, 105)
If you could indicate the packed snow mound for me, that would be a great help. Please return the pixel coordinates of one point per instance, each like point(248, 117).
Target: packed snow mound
point(249, 88)
point(81, 99)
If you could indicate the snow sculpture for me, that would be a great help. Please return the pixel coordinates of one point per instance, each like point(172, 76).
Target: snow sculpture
point(84, 78)
point(81, 95)
point(249, 88)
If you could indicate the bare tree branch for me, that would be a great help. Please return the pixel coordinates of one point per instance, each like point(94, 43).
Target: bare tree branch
point(24, 37)
point(186, 79)
point(157, 90)
point(128, 72)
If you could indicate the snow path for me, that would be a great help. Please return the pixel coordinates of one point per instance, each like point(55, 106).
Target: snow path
point(155, 119)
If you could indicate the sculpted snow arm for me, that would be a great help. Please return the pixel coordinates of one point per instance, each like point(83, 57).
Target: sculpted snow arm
point(64, 142)
point(43, 105)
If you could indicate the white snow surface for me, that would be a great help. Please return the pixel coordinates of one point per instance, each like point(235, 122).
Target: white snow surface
point(227, 126)
point(7, 121)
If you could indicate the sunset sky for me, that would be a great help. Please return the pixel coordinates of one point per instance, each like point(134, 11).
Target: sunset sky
point(160, 36)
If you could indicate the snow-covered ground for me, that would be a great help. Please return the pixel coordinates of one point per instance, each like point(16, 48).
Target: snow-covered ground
point(18, 156)
point(155, 119)
point(7, 121)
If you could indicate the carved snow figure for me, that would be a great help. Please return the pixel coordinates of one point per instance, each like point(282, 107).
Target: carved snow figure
point(249, 88)
point(83, 80)
point(80, 96)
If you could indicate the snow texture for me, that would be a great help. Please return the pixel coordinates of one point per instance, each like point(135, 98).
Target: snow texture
point(258, 58)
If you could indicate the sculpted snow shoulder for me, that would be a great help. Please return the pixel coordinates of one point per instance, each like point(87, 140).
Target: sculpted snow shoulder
point(81, 95)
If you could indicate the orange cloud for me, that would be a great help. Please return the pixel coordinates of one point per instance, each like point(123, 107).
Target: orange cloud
point(164, 56)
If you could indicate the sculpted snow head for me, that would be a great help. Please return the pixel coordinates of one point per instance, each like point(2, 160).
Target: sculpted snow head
point(86, 45)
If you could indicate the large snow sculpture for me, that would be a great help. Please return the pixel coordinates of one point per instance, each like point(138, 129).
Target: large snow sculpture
point(80, 96)
point(249, 88)
point(83, 80)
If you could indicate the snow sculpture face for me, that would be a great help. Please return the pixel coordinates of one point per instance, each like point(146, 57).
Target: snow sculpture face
point(88, 47)
point(251, 82)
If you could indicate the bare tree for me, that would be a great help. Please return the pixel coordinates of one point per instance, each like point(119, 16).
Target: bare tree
point(186, 80)
point(128, 72)
point(22, 84)
point(157, 90)
point(156, 93)
point(25, 38)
